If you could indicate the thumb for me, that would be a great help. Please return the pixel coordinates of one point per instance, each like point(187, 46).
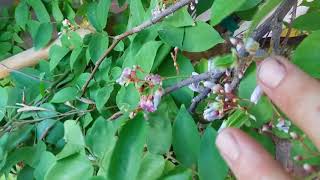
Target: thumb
point(246, 158)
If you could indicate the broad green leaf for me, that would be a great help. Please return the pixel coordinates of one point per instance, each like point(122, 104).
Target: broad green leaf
point(224, 61)
point(72, 167)
point(237, 119)
point(99, 137)
point(307, 22)
point(186, 139)
point(21, 14)
point(145, 57)
point(159, 129)
point(25, 173)
point(18, 136)
point(5, 47)
point(172, 35)
point(56, 54)
point(263, 11)
point(47, 160)
point(210, 164)
point(72, 133)
point(223, 8)
point(66, 94)
point(307, 56)
point(151, 167)
point(178, 173)
point(304, 149)
point(98, 13)
point(128, 98)
point(44, 126)
point(74, 56)
point(180, 18)
point(167, 69)
point(56, 12)
point(248, 4)
point(127, 154)
point(43, 35)
point(137, 13)
point(3, 102)
point(40, 10)
point(98, 44)
point(103, 96)
point(200, 38)
point(69, 150)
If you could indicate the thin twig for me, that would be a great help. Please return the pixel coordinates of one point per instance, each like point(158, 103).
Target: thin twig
point(144, 25)
point(195, 101)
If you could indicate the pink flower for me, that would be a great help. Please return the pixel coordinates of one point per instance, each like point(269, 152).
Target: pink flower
point(147, 104)
point(155, 79)
point(157, 97)
point(125, 76)
point(212, 112)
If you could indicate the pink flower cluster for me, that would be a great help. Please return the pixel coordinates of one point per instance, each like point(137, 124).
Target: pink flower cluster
point(126, 76)
point(213, 111)
point(150, 103)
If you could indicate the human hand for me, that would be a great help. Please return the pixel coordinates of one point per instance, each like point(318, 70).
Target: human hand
point(297, 95)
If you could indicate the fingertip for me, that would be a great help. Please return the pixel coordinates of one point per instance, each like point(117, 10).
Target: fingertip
point(246, 158)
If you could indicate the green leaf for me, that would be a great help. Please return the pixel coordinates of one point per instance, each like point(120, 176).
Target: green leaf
point(307, 22)
point(210, 164)
point(73, 133)
point(224, 61)
point(98, 14)
point(263, 11)
point(56, 12)
point(66, 94)
point(21, 14)
point(145, 57)
point(56, 54)
point(186, 139)
point(127, 154)
point(128, 98)
point(237, 119)
point(100, 136)
point(159, 129)
point(200, 38)
point(102, 97)
point(43, 35)
point(3, 102)
point(72, 167)
point(74, 56)
point(223, 8)
point(180, 18)
point(178, 173)
point(69, 150)
point(151, 167)
point(248, 4)
point(40, 10)
point(47, 160)
point(98, 44)
point(307, 57)
point(171, 35)
point(167, 69)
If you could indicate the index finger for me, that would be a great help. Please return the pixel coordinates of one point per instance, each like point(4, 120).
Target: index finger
point(294, 92)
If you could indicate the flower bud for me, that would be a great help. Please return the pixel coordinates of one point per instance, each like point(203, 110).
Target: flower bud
point(294, 135)
point(308, 168)
point(256, 95)
point(298, 158)
point(227, 88)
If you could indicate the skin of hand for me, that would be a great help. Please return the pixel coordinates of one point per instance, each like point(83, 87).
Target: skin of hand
point(297, 95)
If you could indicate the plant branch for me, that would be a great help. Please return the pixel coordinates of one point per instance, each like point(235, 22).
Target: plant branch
point(195, 101)
point(194, 79)
point(144, 25)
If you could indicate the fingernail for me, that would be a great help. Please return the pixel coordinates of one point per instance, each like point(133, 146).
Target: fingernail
point(228, 146)
point(271, 72)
